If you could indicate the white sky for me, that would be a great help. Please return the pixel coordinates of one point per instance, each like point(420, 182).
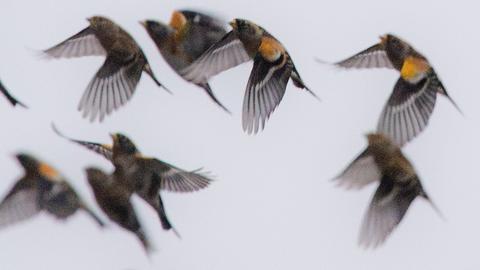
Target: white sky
point(273, 206)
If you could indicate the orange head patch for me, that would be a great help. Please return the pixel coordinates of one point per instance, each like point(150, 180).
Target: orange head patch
point(48, 172)
point(178, 20)
point(414, 69)
point(270, 49)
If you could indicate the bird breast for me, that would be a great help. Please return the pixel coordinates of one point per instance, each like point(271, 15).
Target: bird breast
point(414, 69)
point(270, 49)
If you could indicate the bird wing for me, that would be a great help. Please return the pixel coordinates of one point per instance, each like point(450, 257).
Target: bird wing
point(84, 43)
point(361, 172)
point(225, 54)
point(386, 210)
point(19, 204)
point(175, 179)
point(265, 89)
point(408, 110)
point(112, 87)
point(373, 57)
point(102, 149)
point(9, 96)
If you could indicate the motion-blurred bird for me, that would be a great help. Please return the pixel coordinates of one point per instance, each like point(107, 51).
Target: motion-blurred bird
point(42, 188)
point(188, 35)
point(114, 199)
point(411, 104)
point(9, 96)
point(116, 81)
point(144, 175)
point(383, 162)
point(272, 69)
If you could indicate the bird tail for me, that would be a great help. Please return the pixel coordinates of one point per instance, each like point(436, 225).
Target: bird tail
point(94, 216)
point(212, 96)
point(443, 91)
point(298, 82)
point(434, 206)
point(149, 71)
point(10, 98)
point(166, 224)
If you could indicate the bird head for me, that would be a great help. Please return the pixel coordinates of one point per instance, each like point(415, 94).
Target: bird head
point(395, 45)
point(123, 145)
point(246, 28)
point(158, 31)
point(29, 163)
point(380, 143)
point(38, 168)
point(99, 22)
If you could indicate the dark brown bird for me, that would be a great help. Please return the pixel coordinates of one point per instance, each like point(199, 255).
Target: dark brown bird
point(411, 104)
point(116, 81)
point(188, 35)
point(114, 199)
point(9, 96)
point(144, 175)
point(42, 188)
point(383, 162)
point(272, 69)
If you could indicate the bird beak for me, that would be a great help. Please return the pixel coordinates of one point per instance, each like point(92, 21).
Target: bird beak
point(144, 23)
point(233, 24)
point(113, 136)
point(383, 39)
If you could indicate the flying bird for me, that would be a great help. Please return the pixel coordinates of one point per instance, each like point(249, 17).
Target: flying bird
point(382, 161)
point(42, 188)
point(410, 106)
point(9, 96)
point(114, 199)
point(188, 35)
point(116, 81)
point(143, 175)
point(272, 69)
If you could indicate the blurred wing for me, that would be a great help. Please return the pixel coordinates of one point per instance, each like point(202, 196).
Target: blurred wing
point(104, 150)
point(373, 57)
point(112, 86)
point(20, 204)
point(177, 180)
point(408, 110)
point(265, 89)
point(204, 20)
point(388, 206)
point(225, 54)
point(85, 43)
point(361, 172)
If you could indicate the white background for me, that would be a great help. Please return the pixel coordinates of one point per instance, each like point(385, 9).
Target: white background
point(273, 205)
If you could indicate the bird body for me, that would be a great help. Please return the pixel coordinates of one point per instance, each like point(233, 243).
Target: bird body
point(42, 188)
point(188, 35)
point(410, 106)
point(383, 162)
point(117, 79)
point(272, 69)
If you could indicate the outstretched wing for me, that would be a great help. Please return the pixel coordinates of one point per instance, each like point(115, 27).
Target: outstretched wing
point(84, 43)
point(175, 179)
point(225, 54)
point(265, 90)
point(361, 172)
point(373, 57)
point(19, 204)
point(408, 110)
point(112, 87)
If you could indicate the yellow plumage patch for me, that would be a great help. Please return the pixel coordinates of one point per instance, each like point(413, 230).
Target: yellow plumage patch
point(48, 171)
point(270, 49)
point(178, 20)
point(414, 67)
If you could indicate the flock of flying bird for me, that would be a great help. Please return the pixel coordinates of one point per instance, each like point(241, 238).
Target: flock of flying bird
point(198, 46)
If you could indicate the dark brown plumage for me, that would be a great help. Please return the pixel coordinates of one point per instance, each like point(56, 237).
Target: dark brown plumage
point(114, 199)
point(272, 69)
point(42, 188)
point(188, 35)
point(411, 104)
point(383, 162)
point(116, 81)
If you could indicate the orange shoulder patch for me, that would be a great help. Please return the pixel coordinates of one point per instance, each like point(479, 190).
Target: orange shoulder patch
point(414, 68)
point(48, 172)
point(178, 20)
point(270, 49)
